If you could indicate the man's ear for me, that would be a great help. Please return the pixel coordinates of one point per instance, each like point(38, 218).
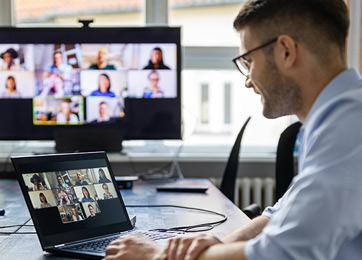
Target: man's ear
point(286, 51)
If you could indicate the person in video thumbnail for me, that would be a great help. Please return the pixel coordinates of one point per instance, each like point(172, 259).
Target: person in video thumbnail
point(36, 180)
point(156, 61)
point(61, 184)
point(102, 177)
point(64, 198)
point(58, 67)
point(43, 201)
point(153, 90)
point(8, 56)
point(10, 91)
point(55, 75)
point(80, 180)
point(65, 116)
point(106, 194)
point(91, 211)
point(86, 195)
point(76, 216)
point(104, 87)
point(103, 113)
point(102, 61)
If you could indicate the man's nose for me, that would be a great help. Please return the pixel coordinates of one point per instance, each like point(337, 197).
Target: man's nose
point(248, 83)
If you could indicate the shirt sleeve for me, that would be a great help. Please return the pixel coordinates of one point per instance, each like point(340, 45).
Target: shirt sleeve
point(270, 210)
point(322, 210)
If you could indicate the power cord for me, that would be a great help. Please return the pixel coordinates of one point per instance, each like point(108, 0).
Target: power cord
point(191, 228)
point(187, 229)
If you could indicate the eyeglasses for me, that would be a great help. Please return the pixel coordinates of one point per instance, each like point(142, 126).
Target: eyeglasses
point(243, 64)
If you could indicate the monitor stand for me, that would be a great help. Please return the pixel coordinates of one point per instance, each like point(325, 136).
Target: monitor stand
point(80, 140)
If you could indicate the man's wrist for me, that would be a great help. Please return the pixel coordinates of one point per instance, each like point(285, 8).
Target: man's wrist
point(160, 256)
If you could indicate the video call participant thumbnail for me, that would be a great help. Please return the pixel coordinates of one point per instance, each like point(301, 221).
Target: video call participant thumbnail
point(102, 61)
point(80, 180)
point(9, 57)
point(153, 90)
point(10, 89)
point(156, 60)
point(65, 115)
point(104, 87)
point(43, 200)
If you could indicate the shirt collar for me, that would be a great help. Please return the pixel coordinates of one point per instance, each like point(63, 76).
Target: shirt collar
point(346, 80)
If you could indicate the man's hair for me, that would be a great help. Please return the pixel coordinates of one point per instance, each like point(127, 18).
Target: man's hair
point(316, 23)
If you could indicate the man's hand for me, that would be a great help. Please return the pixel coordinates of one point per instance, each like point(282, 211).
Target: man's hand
point(189, 247)
point(135, 246)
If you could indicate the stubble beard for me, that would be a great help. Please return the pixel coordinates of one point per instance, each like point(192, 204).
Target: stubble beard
point(282, 95)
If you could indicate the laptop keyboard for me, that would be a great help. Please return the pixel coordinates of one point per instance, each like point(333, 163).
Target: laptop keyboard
point(100, 245)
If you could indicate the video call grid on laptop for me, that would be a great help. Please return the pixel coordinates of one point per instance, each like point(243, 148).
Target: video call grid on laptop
point(72, 198)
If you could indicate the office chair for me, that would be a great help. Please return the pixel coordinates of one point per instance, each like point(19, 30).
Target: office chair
point(231, 170)
point(285, 166)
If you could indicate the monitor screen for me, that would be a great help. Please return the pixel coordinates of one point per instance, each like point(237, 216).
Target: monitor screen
point(90, 78)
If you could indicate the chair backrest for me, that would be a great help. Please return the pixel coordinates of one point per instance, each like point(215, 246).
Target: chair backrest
point(285, 163)
point(231, 170)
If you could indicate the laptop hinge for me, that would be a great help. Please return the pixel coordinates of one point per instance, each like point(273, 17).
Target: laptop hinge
point(85, 240)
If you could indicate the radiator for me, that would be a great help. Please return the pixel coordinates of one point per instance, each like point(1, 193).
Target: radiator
point(252, 190)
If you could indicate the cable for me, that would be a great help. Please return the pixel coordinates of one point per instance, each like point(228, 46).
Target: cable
point(161, 172)
point(18, 228)
point(191, 228)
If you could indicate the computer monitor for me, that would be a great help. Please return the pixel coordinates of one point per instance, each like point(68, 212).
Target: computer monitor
point(90, 79)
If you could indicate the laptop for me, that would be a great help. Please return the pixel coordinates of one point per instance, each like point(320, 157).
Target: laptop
point(74, 202)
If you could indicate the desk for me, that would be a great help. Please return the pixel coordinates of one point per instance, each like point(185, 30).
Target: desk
point(144, 192)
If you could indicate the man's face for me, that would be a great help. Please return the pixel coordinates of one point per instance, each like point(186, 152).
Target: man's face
point(154, 79)
point(60, 181)
point(103, 110)
point(280, 95)
point(79, 176)
point(57, 59)
point(102, 56)
point(91, 211)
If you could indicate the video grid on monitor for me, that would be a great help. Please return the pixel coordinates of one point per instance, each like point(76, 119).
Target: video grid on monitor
point(75, 84)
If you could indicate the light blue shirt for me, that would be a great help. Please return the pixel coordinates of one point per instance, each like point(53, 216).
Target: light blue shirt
point(320, 216)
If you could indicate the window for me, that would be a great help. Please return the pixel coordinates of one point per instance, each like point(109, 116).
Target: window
point(66, 12)
point(204, 103)
point(227, 103)
point(207, 60)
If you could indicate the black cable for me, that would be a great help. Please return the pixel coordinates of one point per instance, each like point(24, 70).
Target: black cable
point(191, 228)
point(19, 227)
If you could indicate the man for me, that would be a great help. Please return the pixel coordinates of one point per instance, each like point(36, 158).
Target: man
point(61, 184)
point(56, 76)
point(104, 115)
point(80, 180)
point(102, 61)
point(91, 211)
point(294, 58)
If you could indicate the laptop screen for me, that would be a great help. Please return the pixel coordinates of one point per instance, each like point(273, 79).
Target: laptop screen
point(71, 196)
